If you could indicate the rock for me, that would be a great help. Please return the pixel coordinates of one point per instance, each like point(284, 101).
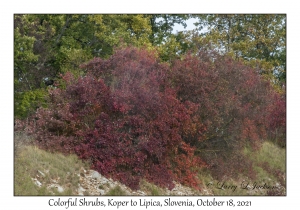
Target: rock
point(81, 190)
point(181, 190)
point(55, 180)
point(82, 170)
point(102, 192)
point(96, 175)
point(139, 192)
point(104, 180)
point(41, 173)
point(95, 184)
point(59, 188)
point(36, 182)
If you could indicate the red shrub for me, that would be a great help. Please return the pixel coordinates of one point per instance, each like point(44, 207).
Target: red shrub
point(134, 117)
point(277, 119)
point(233, 106)
point(125, 119)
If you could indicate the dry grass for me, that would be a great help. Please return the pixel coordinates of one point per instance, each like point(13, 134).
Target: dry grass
point(151, 189)
point(270, 153)
point(116, 191)
point(32, 162)
point(269, 163)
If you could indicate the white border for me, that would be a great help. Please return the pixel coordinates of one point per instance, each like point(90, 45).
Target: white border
point(8, 8)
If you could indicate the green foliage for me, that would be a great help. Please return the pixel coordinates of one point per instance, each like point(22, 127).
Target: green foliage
point(170, 49)
point(23, 56)
point(116, 30)
point(47, 45)
point(162, 26)
point(31, 64)
point(116, 191)
point(23, 49)
point(259, 40)
point(27, 102)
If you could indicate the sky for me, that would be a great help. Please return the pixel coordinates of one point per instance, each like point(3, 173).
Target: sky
point(190, 26)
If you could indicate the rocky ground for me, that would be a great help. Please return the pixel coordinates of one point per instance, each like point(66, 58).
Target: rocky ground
point(93, 183)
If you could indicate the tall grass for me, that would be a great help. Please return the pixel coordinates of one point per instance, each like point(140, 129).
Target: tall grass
point(151, 189)
point(116, 191)
point(269, 163)
point(270, 153)
point(32, 162)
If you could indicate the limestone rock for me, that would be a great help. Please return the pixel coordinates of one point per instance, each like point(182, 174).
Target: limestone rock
point(95, 174)
point(59, 188)
point(36, 182)
point(41, 173)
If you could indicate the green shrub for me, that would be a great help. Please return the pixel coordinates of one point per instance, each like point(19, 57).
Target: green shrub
point(116, 191)
point(26, 103)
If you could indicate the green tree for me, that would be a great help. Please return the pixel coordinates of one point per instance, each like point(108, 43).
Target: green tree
point(63, 42)
point(48, 45)
point(259, 40)
point(30, 64)
point(115, 30)
point(162, 25)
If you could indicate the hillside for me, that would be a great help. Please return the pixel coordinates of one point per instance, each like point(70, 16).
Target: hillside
point(38, 172)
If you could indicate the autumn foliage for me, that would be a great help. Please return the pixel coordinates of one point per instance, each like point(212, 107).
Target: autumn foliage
point(134, 117)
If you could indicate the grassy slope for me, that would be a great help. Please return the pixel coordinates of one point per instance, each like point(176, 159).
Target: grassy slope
point(29, 160)
point(269, 163)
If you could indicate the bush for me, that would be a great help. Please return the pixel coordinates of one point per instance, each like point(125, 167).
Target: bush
point(124, 117)
point(26, 103)
point(135, 118)
point(235, 107)
point(277, 119)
